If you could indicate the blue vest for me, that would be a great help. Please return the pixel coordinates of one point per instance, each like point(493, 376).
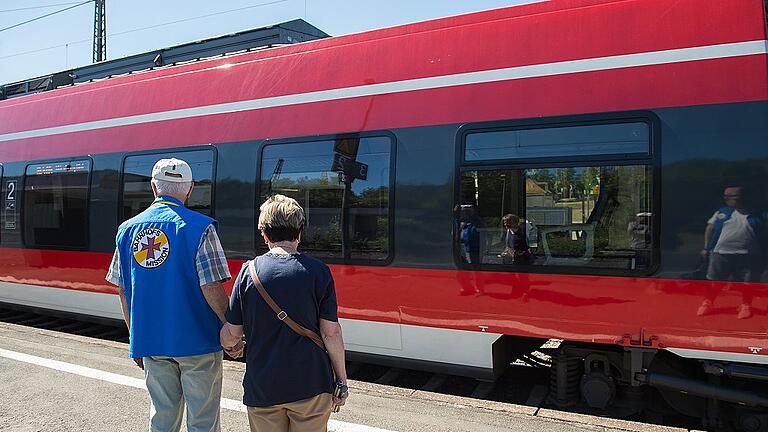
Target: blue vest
point(158, 251)
point(755, 220)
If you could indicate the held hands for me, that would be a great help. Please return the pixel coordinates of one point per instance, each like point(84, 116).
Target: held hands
point(236, 351)
point(233, 344)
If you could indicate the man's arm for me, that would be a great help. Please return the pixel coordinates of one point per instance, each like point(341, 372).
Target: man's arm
point(334, 344)
point(217, 299)
point(124, 305)
point(212, 270)
point(114, 277)
point(707, 237)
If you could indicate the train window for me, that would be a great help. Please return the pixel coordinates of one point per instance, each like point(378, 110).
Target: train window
point(593, 139)
point(137, 176)
point(343, 186)
point(596, 217)
point(56, 204)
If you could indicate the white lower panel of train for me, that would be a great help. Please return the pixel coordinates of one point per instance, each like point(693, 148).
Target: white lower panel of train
point(429, 344)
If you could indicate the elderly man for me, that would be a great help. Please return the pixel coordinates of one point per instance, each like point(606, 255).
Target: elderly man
point(735, 241)
point(169, 266)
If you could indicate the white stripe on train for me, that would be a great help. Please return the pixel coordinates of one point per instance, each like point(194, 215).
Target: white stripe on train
point(708, 52)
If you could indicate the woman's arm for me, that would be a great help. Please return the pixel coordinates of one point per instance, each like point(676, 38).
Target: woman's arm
point(334, 344)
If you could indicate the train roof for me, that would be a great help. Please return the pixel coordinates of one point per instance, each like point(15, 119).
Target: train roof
point(266, 42)
point(561, 57)
point(289, 32)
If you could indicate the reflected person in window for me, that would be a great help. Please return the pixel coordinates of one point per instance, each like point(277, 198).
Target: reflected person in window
point(639, 231)
point(470, 234)
point(513, 237)
point(735, 242)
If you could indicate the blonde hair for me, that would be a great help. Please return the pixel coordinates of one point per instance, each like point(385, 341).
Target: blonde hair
point(281, 218)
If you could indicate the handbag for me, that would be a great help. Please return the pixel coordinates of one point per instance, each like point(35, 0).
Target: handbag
point(511, 256)
point(281, 314)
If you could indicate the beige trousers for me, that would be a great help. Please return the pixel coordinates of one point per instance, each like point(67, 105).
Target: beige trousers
point(308, 415)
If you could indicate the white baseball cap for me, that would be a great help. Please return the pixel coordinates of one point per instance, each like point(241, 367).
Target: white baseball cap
point(172, 170)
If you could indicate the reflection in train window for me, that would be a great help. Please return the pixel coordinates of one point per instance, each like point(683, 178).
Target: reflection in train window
point(343, 186)
point(56, 204)
point(137, 176)
point(590, 216)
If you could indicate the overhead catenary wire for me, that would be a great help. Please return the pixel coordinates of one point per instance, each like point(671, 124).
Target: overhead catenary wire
point(38, 7)
point(45, 16)
point(143, 28)
point(196, 17)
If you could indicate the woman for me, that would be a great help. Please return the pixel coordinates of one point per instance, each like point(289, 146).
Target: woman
point(514, 241)
point(289, 379)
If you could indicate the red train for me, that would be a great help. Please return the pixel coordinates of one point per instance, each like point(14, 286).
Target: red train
point(619, 136)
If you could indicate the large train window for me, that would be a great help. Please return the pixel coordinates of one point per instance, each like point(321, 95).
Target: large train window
point(137, 175)
point(344, 187)
point(56, 204)
point(537, 205)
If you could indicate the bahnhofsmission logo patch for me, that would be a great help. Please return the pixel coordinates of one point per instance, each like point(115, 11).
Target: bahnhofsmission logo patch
point(150, 248)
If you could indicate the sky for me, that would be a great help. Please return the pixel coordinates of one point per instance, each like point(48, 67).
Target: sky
point(63, 41)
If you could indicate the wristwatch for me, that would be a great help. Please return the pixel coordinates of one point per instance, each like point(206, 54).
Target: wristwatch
point(341, 389)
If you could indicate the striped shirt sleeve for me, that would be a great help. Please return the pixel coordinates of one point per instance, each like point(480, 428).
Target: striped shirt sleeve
point(113, 275)
point(211, 262)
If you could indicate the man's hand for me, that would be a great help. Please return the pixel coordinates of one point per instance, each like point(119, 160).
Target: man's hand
point(236, 351)
point(139, 362)
point(227, 338)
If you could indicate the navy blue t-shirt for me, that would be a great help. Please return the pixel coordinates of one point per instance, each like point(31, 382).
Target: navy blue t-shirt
point(282, 366)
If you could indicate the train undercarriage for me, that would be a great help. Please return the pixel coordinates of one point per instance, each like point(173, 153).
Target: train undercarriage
point(629, 382)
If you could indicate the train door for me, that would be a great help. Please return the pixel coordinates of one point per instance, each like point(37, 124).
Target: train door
point(9, 200)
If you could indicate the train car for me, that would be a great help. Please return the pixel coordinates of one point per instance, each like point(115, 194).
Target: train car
point(587, 170)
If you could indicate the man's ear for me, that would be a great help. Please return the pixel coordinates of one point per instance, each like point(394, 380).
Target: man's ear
point(191, 188)
point(154, 189)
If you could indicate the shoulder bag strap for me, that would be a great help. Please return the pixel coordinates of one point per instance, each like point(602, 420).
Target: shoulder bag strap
point(281, 314)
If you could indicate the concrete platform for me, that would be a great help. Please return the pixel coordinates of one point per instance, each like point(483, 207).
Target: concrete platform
point(59, 382)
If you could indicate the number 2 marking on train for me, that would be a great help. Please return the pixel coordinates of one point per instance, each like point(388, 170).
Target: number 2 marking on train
point(11, 187)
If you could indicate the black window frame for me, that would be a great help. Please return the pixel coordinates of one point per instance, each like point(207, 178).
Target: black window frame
point(651, 159)
point(22, 201)
point(165, 151)
point(258, 241)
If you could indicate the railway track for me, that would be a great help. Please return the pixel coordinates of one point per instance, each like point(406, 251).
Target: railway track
point(526, 381)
